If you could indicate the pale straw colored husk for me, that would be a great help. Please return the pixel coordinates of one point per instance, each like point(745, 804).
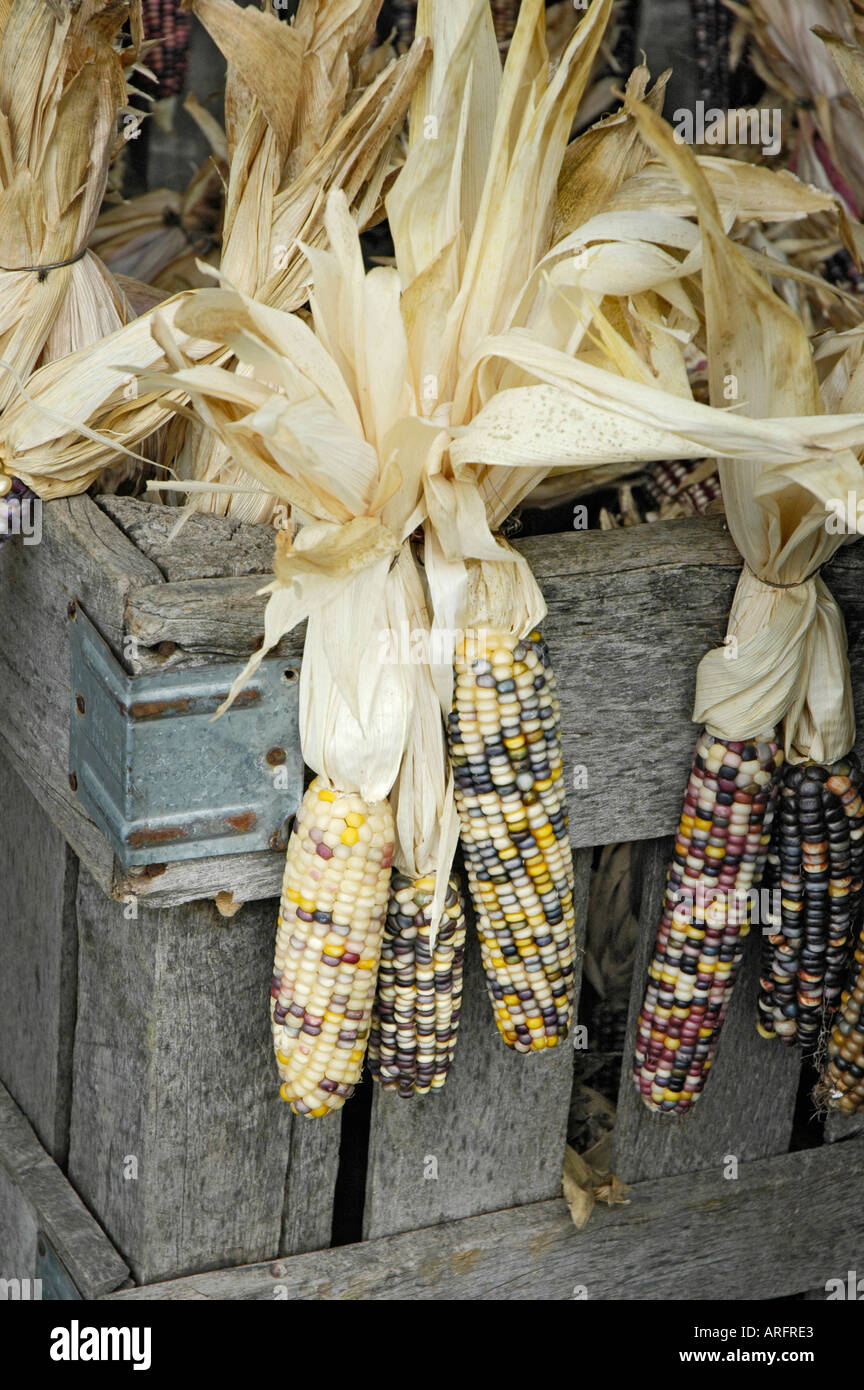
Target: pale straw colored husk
point(786, 662)
point(802, 52)
point(296, 128)
point(62, 87)
point(160, 236)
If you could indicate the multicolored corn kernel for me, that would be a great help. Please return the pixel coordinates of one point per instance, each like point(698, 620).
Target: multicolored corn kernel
point(719, 856)
point(674, 481)
point(815, 866)
point(504, 732)
point(331, 927)
point(418, 999)
point(167, 21)
point(841, 1085)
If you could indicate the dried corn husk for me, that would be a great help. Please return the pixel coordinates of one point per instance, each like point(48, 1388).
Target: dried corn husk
point(533, 372)
point(289, 90)
point(61, 73)
point(791, 665)
point(160, 236)
point(424, 808)
point(528, 372)
point(330, 136)
point(788, 53)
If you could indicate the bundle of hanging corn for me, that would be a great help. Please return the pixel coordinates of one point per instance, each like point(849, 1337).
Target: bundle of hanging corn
point(159, 237)
point(437, 392)
point(332, 444)
point(63, 70)
point(296, 127)
point(779, 686)
point(461, 375)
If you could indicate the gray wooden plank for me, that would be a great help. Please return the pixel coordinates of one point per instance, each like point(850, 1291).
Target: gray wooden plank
point(473, 1146)
point(839, 1127)
point(798, 1217)
point(310, 1183)
point(173, 1069)
point(82, 555)
point(183, 613)
point(246, 877)
point(747, 1107)
point(207, 547)
point(35, 1199)
point(19, 1230)
point(38, 977)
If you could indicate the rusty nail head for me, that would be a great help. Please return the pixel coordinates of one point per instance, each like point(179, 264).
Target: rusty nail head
point(277, 1271)
point(276, 841)
point(79, 704)
point(73, 781)
point(72, 610)
point(276, 756)
point(166, 648)
point(154, 870)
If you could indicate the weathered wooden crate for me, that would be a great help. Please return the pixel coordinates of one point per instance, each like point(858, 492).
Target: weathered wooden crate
point(134, 1044)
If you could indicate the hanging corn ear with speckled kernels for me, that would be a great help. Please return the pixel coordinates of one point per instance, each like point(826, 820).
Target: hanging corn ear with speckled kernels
point(328, 943)
point(415, 1018)
point(418, 999)
point(505, 748)
point(815, 868)
point(719, 854)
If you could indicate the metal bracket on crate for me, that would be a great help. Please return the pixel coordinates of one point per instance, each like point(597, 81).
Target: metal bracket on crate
point(160, 778)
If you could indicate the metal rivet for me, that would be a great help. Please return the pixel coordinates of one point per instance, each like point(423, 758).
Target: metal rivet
point(73, 781)
point(276, 840)
point(277, 1271)
point(276, 756)
point(79, 704)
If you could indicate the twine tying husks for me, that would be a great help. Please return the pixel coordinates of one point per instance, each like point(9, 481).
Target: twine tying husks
point(42, 270)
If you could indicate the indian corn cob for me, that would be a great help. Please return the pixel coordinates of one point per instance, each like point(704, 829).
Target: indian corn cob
point(504, 732)
point(841, 1086)
point(816, 861)
point(418, 998)
point(328, 943)
point(167, 21)
point(719, 855)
